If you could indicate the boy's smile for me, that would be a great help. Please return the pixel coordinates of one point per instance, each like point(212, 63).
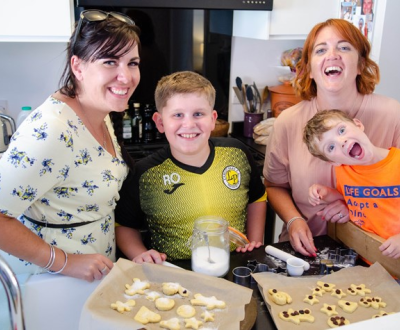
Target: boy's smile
point(346, 143)
point(187, 121)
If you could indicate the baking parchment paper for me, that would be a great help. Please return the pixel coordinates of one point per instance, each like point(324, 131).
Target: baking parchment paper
point(98, 315)
point(375, 278)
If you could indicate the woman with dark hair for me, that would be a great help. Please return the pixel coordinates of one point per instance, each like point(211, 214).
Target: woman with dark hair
point(61, 175)
point(335, 72)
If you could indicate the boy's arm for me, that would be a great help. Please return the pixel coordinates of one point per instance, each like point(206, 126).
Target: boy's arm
point(318, 193)
point(130, 243)
point(255, 226)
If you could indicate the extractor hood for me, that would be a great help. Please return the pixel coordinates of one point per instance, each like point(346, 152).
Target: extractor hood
point(188, 4)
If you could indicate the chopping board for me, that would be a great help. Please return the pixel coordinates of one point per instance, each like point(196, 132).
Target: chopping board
point(250, 315)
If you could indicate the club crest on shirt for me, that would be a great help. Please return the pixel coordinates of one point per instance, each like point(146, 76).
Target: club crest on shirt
point(231, 177)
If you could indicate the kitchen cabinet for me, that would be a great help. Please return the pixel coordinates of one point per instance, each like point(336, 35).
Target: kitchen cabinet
point(36, 21)
point(289, 19)
point(293, 19)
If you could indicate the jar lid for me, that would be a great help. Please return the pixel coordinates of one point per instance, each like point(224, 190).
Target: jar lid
point(238, 238)
point(285, 88)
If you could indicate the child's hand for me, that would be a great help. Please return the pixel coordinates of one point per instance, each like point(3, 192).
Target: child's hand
point(314, 194)
point(248, 247)
point(391, 247)
point(150, 256)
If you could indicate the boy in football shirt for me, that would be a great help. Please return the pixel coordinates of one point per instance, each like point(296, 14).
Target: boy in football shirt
point(193, 176)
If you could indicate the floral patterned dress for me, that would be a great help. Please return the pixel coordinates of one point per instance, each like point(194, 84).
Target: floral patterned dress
point(61, 183)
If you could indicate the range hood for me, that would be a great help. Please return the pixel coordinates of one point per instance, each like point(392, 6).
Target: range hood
point(188, 4)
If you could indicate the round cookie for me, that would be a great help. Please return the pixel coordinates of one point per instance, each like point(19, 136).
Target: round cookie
point(164, 304)
point(337, 321)
point(186, 311)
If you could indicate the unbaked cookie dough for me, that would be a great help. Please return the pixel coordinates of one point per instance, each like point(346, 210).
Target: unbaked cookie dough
point(337, 321)
point(164, 304)
point(186, 311)
point(279, 297)
point(297, 316)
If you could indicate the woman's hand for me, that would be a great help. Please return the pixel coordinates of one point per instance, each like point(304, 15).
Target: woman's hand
point(391, 247)
point(301, 238)
point(88, 267)
point(249, 247)
point(335, 212)
point(151, 257)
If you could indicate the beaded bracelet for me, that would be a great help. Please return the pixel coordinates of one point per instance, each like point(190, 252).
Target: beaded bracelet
point(51, 259)
point(62, 268)
point(291, 220)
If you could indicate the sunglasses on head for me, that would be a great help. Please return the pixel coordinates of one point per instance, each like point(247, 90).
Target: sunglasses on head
point(93, 15)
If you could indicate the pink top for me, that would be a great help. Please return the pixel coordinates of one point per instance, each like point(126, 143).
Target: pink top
point(288, 160)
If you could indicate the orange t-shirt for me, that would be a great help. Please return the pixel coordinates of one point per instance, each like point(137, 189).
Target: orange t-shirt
point(372, 194)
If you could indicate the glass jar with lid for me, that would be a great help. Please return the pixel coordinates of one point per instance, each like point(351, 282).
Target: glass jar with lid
point(210, 244)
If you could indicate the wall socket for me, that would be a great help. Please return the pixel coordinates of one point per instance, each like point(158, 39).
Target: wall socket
point(4, 106)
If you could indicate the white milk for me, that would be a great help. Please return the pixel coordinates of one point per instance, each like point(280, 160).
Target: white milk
point(200, 263)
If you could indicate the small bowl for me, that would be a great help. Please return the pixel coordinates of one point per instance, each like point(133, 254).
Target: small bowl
point(295, 266)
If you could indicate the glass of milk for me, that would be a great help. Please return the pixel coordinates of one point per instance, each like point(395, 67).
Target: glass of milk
point(210, 246)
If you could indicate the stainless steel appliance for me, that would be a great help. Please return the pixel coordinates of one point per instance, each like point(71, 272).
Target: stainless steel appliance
point(7, 129)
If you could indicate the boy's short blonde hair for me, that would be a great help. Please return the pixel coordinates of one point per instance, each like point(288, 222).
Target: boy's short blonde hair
point(183, 82)
point(317, 126)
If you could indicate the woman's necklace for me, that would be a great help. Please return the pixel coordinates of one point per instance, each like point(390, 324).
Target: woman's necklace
point(103, 127)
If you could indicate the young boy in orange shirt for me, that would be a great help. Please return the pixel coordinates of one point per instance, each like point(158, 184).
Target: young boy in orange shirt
point(367, 177)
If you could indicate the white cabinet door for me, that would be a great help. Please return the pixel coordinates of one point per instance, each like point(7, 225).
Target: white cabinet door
point(293, 19)
point(289, 19)
point(36, 20)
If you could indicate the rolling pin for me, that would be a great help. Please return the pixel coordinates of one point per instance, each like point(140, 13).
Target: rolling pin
point(282, 255)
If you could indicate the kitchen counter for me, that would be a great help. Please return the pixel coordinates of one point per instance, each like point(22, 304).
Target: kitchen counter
point(55, 301)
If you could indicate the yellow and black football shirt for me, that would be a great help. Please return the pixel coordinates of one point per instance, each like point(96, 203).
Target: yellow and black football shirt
point(167, 196)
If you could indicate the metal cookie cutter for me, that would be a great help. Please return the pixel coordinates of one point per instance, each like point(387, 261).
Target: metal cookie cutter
point(258, 267)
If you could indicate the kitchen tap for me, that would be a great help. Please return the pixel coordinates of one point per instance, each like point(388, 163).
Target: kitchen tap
point(13, 292)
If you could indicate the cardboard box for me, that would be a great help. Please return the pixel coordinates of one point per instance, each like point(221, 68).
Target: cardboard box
point(365, 244)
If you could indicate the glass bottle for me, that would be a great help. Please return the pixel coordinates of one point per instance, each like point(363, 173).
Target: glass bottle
point(136, 124)
point(148, 124)
point(127, 127)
